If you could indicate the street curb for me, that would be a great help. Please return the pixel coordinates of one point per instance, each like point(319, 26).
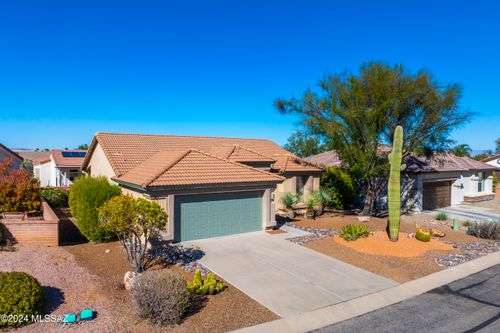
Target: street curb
point(332, 314)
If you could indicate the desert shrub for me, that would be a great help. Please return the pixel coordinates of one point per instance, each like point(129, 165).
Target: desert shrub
point(486, 230)
point(340, 187)
point(351, 232)
point(441, 216)
point(55, 197)
point(86, 195)
point(18, 191)
point(209, 285)
point(161, 297)
point(290, 199)
point(134, 222)
point(20, 295)
point(467, 223)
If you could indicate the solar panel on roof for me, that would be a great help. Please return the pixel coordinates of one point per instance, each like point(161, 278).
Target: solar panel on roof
point(73, 153)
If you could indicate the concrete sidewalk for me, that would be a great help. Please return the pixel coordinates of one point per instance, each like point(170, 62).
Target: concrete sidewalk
point(288, 279)
point(343, 311)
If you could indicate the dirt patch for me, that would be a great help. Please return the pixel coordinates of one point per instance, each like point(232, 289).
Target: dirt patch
point(224, 312)
point(399, 269)
point(380, 244)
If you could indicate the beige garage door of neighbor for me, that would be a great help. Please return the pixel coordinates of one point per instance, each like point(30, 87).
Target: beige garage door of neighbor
point(437, 195)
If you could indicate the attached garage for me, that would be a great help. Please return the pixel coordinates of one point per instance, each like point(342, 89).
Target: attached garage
point(220, 214)
point(437, 194)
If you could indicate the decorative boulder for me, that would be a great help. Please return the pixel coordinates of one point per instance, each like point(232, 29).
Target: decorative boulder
point(423, 236)
point(364, 218)
point(128, 279)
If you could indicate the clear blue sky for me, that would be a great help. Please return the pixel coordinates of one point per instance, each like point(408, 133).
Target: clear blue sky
point(69, 69)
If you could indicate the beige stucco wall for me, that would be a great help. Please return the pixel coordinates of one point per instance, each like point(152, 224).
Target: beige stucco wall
point(99, 164)
point(290, 185)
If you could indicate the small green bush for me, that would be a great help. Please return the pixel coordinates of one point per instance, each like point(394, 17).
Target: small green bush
point(486, 230)
point(290, 199)
point(55, 197)
point(441, 216)
point(208, 286)
point(495, 182)
point(20, 295)
point(340, 187)
point(467, 223)
point(161, 297)
point(351, 232)
point(86, 195)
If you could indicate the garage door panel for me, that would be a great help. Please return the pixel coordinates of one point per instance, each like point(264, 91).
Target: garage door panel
point(436, 195)
point(212, 215)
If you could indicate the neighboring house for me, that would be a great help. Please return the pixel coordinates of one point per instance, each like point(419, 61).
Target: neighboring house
point(493, 161)
point(61, 168)
point(33, 156)
point(8, 153)
point(429, 183)
point(209, 186)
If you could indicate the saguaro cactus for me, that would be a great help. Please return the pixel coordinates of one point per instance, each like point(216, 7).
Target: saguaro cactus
point(394, 186)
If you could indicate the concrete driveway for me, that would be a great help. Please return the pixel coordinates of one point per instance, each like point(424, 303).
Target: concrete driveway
point(286, 278)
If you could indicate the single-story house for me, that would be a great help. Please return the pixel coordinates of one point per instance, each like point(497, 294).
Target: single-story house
point(209, 186)
point(6, 153)
point(493, 161)
point(428, 183)
point(60, 168)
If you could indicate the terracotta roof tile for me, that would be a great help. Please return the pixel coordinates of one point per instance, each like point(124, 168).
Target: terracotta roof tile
point(490, 158)
point(61, 161)
point(327, 159)
point(127, 151)
point(291, 163)
point(243, 154)
point(193, 167)
point(442, 162)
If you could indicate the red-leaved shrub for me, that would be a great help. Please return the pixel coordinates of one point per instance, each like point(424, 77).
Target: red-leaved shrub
point(18, 191)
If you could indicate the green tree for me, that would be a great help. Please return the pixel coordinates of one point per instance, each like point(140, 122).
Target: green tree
point(483, 155)
point(340, 187)
point(83, 147)
point(497, 146)
point(135, 222)
point(304, 145)
point(462, 150)
point(356, 113)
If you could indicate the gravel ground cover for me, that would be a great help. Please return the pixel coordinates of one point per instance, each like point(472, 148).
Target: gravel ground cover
point(402, 269)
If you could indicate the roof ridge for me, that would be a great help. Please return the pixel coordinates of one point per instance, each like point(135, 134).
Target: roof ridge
point(236, 163)
point(164, 169)
point(187, 136)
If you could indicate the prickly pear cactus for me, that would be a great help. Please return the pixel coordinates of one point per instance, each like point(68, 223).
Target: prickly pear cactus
point(394, 186)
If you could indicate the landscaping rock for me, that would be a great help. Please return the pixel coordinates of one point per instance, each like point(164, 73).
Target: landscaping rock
point(316, 234)
point(364, 218)
point(186, 258)
point(468, 251)
point(128, 279)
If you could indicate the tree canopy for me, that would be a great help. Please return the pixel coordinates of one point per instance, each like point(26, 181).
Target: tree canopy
point(355, 113)
point(304, 145)
point(461, 150)
point(497, 146)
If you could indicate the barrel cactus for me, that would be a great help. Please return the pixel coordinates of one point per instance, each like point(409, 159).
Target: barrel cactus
point(394, 186)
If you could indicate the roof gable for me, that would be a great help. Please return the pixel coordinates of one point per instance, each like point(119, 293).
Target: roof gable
point(193, 167)
point(127, 151)
point(65, 161)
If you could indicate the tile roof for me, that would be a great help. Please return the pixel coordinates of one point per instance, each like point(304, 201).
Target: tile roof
point(62, 161)
point(243, 154)
point(34, 156)
point(127, 151)
point(491, 158)
point(442, 162)
point(291, 163)
point(193, 167)
point(327, 159)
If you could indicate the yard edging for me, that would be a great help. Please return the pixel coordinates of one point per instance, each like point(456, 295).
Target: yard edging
point(346, 310)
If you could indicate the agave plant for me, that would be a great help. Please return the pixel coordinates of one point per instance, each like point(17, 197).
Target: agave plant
point(290, 199)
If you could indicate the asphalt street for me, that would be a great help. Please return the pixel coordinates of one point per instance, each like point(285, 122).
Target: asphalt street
point(468, 305)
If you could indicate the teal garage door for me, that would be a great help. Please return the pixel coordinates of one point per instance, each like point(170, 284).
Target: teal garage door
point(212, 215)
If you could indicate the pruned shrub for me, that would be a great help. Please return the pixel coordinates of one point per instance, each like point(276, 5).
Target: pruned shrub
point(161, 297)
point(486, 230)
point(207, 286)
point(18, 191)
point(86, 195)
point(351, 232)
point(21, 296)
point(441, 216)
point(55, 197)
point(340, 187)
